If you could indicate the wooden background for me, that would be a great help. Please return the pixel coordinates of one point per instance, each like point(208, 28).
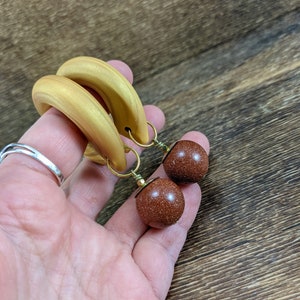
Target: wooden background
point(228, 68)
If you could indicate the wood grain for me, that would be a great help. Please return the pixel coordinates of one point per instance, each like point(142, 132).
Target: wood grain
point(245, 242)
point(230, 69)
point(37, 36)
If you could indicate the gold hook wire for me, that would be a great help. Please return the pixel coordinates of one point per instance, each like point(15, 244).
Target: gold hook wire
point(131, 172)
point(140, 181)
point(154, 141)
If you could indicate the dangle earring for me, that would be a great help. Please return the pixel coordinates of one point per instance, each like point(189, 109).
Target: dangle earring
point(184, 162)
point(159, 201)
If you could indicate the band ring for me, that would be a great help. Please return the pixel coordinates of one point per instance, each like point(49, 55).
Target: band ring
point(35, 154)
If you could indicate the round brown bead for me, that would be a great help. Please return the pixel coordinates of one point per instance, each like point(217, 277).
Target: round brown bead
point(186, 162)
point(160, 203)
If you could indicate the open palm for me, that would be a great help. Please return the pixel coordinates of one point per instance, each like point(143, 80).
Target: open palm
point(50, 245)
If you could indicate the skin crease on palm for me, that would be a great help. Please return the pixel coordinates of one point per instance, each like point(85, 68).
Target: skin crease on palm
point(50, 245)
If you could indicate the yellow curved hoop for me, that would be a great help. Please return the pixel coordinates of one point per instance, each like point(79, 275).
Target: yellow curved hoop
point(118, 94)
point(64, 91)
point(86, 113)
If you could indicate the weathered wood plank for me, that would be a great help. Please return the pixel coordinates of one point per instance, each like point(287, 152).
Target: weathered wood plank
point(37, 36)
point(245, 241)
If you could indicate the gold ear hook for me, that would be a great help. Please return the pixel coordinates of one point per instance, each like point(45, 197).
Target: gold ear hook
point(132, 173)
point(154, 141)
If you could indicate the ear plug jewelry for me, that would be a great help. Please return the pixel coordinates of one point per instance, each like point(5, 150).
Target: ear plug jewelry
point(184, 162)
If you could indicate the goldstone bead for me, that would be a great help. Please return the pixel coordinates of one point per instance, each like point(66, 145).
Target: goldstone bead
point(186, 162)
point(160, 203)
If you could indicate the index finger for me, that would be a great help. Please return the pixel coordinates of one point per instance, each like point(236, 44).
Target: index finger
point(56, 137)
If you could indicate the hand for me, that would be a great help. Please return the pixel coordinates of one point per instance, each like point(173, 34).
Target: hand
point(50, 245)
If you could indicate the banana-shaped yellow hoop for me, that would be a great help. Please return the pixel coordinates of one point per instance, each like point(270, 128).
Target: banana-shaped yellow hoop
point(118, 94)
point(85, 112)
point(64, 92)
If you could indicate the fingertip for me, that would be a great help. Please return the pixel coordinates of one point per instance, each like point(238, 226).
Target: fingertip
point(123, 68)
point(155, 115)
point(199, 138)
point(192, 194)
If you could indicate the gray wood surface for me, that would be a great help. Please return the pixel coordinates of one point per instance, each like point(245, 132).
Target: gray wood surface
point(228, 68)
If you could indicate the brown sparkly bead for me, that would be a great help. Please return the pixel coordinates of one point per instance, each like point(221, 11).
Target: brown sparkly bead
point(160, 203)
point(186, 162)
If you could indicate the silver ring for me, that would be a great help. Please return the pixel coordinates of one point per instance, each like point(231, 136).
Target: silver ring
point(38, 156)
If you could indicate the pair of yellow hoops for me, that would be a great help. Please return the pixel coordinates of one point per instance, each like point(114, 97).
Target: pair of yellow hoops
point(65, 91)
